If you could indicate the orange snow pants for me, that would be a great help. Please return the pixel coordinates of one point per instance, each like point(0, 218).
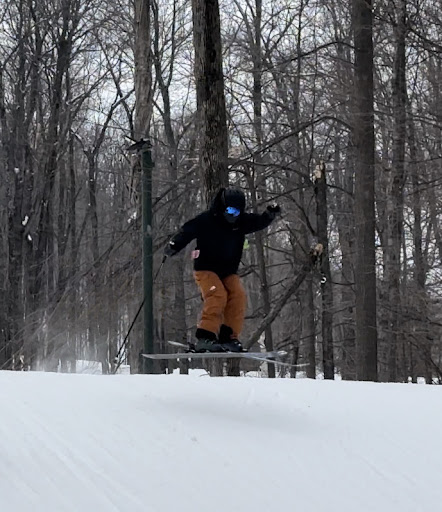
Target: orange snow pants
point(225, 302)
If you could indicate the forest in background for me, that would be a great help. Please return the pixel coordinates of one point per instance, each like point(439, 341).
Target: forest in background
point(70, 243)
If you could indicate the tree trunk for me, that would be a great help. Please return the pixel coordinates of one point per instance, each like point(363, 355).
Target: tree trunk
point(395, 198)
point(326, 285)
point(363, 132)
point(212, 124)
point(3, 235)
point(73, 253)
point(143, 69)
point(143, 113)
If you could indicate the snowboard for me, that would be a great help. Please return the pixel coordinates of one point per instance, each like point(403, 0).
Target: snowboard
point(265, 357)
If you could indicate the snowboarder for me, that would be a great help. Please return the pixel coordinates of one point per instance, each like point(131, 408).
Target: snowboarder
point(220, 235)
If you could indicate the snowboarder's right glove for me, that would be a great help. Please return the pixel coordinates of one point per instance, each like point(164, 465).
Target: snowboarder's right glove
point(273, 210)
point(170, 249)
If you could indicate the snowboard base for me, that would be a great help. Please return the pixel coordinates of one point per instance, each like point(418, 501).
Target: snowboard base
point(271, 357)
point(264, 357)
point(219, 355)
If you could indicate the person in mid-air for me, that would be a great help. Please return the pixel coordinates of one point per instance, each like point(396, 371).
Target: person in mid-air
point(220, 235)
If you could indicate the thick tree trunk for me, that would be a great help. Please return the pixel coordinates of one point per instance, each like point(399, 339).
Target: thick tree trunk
point(73, 254)
point(212, 124)
point(3, 235)
point(143, 114)
point(3, 222)
point(326, 285)
point(363, 132)
point(143, 69)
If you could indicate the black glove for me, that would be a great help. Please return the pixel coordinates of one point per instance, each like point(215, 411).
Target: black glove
point(273, 210)
point(170, 249)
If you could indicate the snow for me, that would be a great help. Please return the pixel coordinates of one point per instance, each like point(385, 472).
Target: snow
point(91, 367)
point(159, 443)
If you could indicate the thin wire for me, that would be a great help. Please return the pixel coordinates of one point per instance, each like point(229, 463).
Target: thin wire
point(118, 359)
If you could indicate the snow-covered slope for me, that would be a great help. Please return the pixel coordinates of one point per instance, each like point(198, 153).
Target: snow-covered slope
point(177, 443)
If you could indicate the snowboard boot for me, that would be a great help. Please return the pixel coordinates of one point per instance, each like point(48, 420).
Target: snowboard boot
point(206, 342)
point(228, 343)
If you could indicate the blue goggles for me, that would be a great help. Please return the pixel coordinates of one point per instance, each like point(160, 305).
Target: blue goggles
point(231, 210)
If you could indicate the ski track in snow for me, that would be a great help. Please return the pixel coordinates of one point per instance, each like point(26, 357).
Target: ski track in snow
point(83, 443)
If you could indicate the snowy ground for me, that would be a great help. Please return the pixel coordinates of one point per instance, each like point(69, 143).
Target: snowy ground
point(186, 443)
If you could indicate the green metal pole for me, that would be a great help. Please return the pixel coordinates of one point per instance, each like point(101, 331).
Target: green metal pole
point(147, 166)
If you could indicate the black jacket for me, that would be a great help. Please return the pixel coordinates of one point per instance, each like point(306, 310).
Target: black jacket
point(219, 243)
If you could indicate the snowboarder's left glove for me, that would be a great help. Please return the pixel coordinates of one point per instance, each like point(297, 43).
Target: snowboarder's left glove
point(273, 210)
point(170, 249)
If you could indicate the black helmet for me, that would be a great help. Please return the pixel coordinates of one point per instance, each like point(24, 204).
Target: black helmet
point(234, 197)
point(233, 203)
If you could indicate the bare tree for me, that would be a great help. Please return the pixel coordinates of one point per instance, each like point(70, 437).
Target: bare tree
point(363, 133)
point(209, 80)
